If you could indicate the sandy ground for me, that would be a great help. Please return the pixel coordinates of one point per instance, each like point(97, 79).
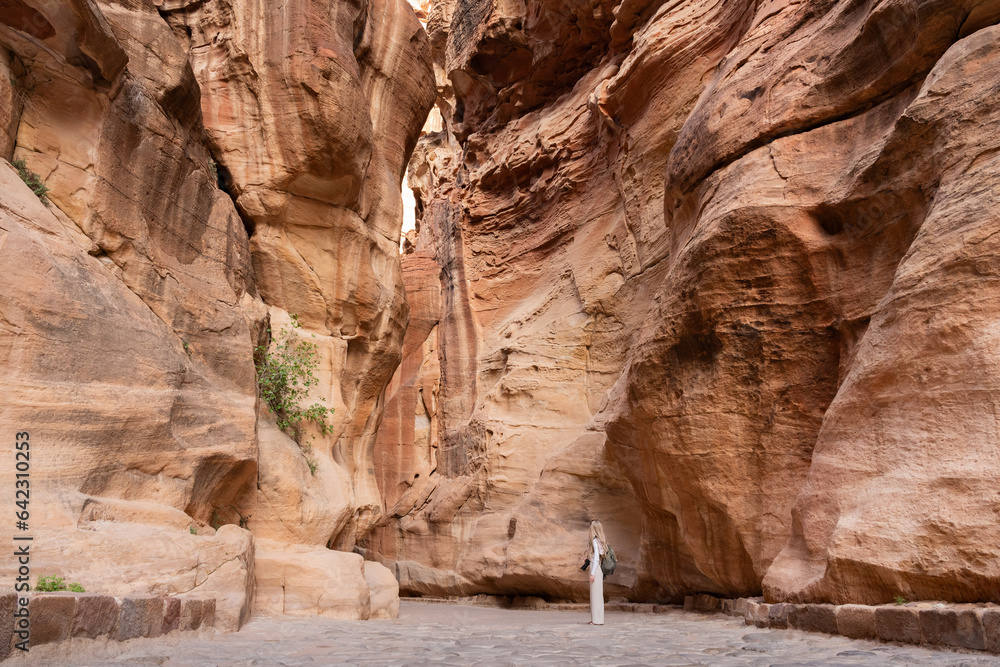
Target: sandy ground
point(440, 634)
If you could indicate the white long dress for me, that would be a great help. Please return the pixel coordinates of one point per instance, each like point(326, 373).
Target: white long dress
point(597, 586)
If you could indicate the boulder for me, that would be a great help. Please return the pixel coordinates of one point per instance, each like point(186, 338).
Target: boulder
point(705, 603)
point(383, 590)
point(740, 607)
point(124, 559)
point(308, 581)
point(762, 615)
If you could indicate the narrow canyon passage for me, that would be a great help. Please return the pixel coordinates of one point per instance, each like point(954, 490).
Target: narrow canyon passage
point(723, 275)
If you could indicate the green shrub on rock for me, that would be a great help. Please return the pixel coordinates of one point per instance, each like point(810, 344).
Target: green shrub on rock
point(32, 180)
point(285, 373)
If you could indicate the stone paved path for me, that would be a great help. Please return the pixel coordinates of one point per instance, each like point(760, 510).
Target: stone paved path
point(436, 634)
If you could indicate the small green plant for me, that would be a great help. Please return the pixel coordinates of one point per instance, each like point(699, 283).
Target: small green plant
point(899, 599)
point(286, 370)
point(307, 452)
point(187, 347)
point(217, 520)
point(32, 180)
point(213, 169)
point(193, 530)
point(52, 584)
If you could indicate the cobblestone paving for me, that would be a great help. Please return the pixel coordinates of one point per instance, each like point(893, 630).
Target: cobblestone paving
point(435, 634)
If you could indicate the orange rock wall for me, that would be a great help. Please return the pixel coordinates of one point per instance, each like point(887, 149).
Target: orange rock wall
point(311, 122)
point(215, 168)
point(718, 273)
point(721, 274)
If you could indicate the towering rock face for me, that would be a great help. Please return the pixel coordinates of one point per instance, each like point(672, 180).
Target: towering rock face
point(208, 178)
point(720, 274)
point(901, 494)
point(130, 312)
point(312, 122)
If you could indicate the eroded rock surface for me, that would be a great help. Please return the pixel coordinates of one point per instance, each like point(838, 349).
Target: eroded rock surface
point(716, 273)
point(312, 122)
point(721, 274)
point(208, 179)
point(297, 580)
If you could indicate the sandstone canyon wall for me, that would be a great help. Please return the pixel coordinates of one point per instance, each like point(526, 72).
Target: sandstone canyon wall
point(721, 274)
point(215, 167)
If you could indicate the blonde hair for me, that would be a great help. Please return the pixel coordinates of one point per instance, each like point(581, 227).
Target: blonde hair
point(597, 530)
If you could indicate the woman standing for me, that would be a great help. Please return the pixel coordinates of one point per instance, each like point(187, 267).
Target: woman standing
point(598, 546)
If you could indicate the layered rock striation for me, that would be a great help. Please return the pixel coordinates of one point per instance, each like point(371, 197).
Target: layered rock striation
point(719, 274)
point(214, 168)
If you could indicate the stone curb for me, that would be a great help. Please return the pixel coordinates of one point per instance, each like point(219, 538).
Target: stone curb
point(967, 626)
point(57, 617)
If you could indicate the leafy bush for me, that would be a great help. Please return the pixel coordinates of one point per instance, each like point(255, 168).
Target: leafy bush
point(52, 584)
point(285, 373)
point(32, 180)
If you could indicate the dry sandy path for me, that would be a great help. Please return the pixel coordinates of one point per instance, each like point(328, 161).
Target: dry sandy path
point(437, 634)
